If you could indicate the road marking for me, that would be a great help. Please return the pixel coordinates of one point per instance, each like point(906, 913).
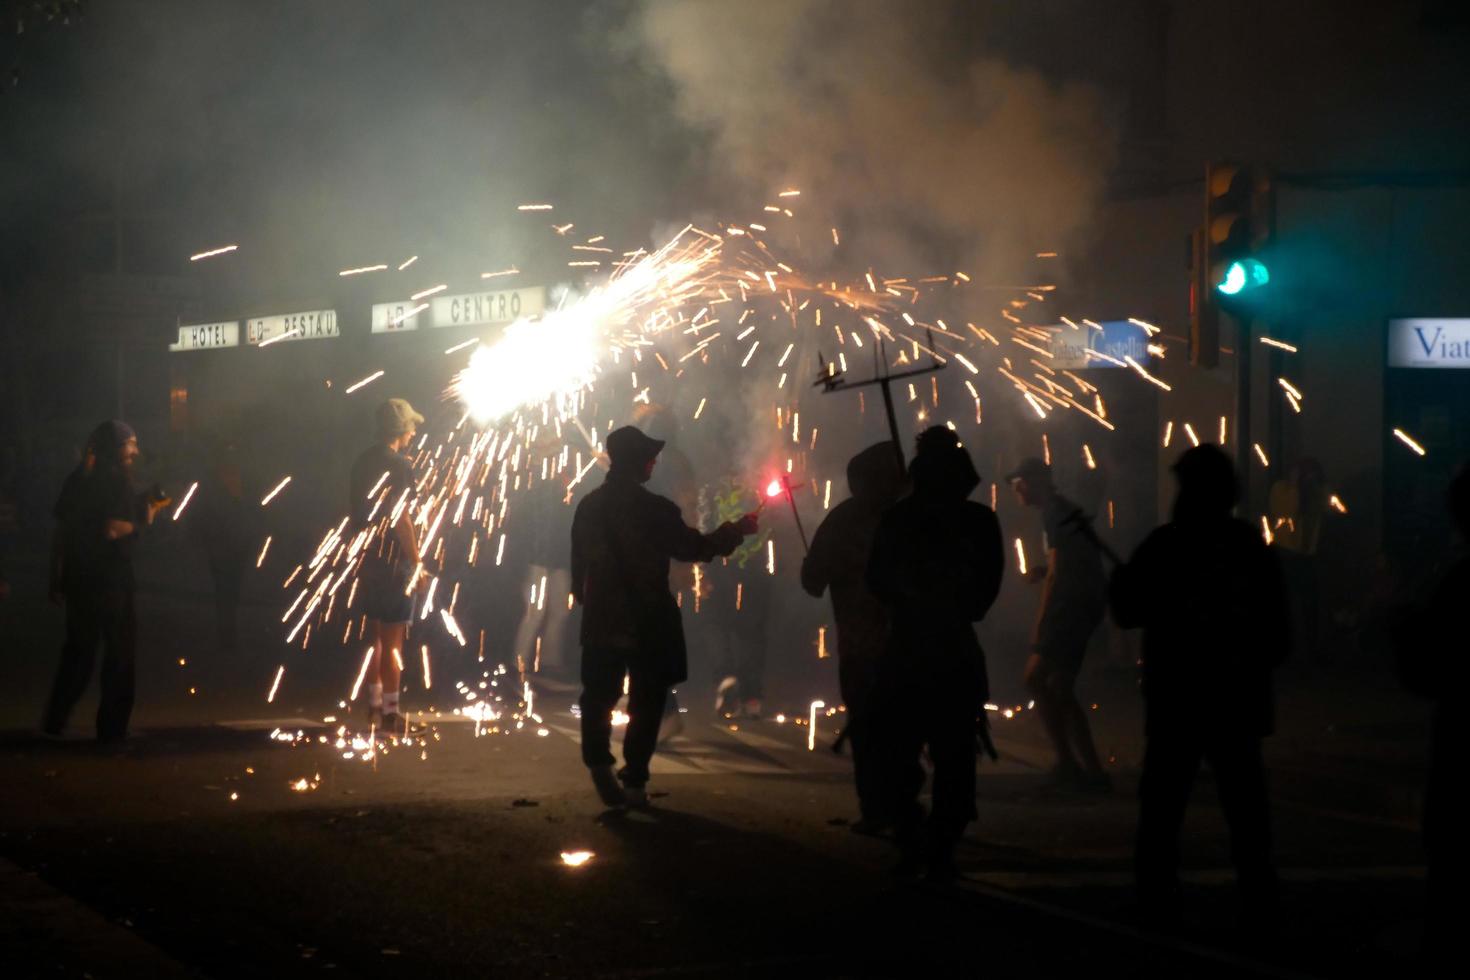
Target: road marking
point(1241, 964)
point(1021, 880)
point(269, 724)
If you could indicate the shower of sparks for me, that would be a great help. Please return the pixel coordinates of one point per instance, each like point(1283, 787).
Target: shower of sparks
point(213, 252)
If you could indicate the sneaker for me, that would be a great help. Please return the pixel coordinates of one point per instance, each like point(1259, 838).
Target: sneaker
point(398, 726)
point(636, 796)
point(869, 827)
point(751, 709)
point(375, 717)
point(609, 790)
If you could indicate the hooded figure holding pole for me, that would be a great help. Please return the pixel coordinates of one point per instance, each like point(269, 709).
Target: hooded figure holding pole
point(623, 538)
point(839, 560)
point(936, 563)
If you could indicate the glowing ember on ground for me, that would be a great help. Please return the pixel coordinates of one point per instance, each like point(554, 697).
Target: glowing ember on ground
point(575, 859)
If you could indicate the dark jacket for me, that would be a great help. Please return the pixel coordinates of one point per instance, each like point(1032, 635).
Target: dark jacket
point(936, 563)
point(839, 554)
point(1216, 621)
point(623, 538)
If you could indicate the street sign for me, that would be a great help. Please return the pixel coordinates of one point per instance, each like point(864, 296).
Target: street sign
point(1080, 347)
point(496, 306)
point(398, 317)
point(1429, 342)
point(310, 325)
point(207, 336)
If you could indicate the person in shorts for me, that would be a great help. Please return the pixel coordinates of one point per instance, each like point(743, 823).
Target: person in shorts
point(1073, 600)
point(381, 496)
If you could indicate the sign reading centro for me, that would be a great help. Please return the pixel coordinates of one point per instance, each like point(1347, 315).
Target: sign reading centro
point(466, 309)
point(1429, 342)
point(207, 336)
point(311, 325)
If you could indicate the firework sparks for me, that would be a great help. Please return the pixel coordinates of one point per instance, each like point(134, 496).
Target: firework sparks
point(272, 495)
point(223, 249)
point(188, 496)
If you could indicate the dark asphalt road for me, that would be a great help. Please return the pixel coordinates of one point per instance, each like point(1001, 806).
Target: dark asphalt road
point(188, 850)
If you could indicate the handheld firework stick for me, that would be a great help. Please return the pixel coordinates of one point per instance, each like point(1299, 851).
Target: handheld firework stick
point(774, 489)
point(830, 379)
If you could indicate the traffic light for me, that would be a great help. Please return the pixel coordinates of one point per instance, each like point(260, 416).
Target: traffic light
point(1228, 265)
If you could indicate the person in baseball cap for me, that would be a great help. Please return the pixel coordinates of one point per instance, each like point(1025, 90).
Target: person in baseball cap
point(396, 416)
point(387, 578)
point(623, 538)
point(1073, 600)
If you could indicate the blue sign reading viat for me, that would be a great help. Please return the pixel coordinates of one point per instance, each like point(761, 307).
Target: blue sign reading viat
point(1116, 340)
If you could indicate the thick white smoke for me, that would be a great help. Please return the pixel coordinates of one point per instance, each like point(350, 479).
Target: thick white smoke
point(920, 148)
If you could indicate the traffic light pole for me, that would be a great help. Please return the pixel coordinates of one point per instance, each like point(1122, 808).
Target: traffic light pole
point(1243, 345)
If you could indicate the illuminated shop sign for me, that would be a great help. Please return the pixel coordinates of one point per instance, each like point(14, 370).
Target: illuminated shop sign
point(207, 336)
point(1429, 342)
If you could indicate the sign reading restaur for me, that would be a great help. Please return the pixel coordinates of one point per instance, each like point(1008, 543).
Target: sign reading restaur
point(1429, 342)
point(311, 325)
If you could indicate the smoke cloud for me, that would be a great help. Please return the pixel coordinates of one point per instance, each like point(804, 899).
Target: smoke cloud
point(917, 149)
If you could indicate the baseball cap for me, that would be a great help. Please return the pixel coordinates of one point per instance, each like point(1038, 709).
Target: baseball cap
point(630, 445)
point(1030, 469)
point(396, 416)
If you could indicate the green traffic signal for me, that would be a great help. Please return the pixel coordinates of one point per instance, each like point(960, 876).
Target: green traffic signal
point(1243, 274)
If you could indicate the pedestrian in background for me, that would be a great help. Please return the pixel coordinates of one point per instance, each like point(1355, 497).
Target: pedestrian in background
point(936, 563)
point(623, 538)
point(1073, 601)
point(381, 486)
point(1432, 647)
point(99, 516)
point(838, 561)
point(1212, 603)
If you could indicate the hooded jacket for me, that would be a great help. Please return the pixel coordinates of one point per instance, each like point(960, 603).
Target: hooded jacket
point(839, 553)
point(936, 563)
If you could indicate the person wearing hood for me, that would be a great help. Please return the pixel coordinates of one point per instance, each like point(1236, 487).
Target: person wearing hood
point(623, 538)
point(1212, 603)
point(98, 518)
point(838, 560)
point(936, 564)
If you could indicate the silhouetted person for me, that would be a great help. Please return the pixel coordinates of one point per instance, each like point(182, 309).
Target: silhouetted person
point(98, 518)
point(1210, 598)
point(1433, 645)
point(623, 538)
point(839, 560)
point(380, 488)
point(936, 563)
point(222, 522)
point(1073, 601)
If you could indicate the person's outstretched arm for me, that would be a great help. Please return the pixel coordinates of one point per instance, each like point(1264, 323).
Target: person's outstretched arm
point(684, 543)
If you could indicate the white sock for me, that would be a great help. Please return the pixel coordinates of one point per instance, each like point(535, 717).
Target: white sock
point(375, 695)
point(390, 702)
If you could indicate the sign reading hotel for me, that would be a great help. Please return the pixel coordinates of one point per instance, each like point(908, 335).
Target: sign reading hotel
point(1429, 342)
point(478, 309)
point(207, 336)
point(311, 325)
